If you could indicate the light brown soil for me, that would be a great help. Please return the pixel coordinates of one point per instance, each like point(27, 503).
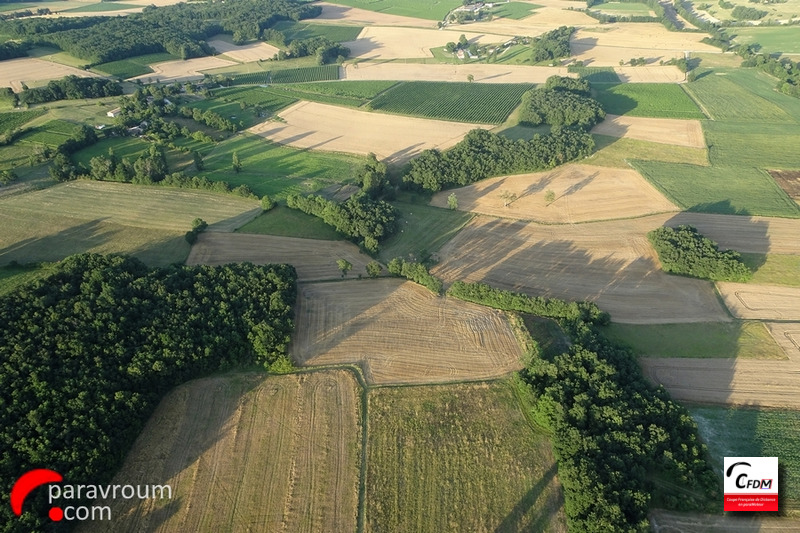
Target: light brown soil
point(787, 335)
point(401, 333)
point(481, 72)
point(26, 70)
point(789, 181)
point(608, 262)
point(247, 453)
point(728, 381)
point(659, 130)
point(672, 522)
point(654, 74)
point(182, 70)
point(761, 302)
point(392, 138)
point(392, 42)
point(745, 234)
point(582, 193)
point(257, 51)
point(313, 259)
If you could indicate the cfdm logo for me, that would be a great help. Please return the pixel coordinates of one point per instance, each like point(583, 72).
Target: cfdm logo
point(751, 483)
point(66, 495)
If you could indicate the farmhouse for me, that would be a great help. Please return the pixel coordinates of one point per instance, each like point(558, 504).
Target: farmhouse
point(114, 112)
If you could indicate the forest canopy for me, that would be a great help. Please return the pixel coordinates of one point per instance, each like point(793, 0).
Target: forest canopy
point(89, 351)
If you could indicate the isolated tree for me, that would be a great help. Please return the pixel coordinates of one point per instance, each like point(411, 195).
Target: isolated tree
point(267, 203)
point(237, 165)
point(470, 78)
point(197, 159)
point(344, 265)
point(549, 196)
point(374, 269)
point(508, 197)
point(462, 41)
point(452, 201)
point(7, 176)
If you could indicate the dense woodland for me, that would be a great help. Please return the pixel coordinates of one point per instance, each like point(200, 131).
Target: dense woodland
point(89, 351)
point(70, 88)
point(552, 44)
point(559, 108)
point(613, 432)
point(180, 29)
point(482, 154)
point(367, 220)
point(683, 250)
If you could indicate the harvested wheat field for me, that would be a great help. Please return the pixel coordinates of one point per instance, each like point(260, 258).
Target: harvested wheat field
point(610, 263)
point(582, 193)
point(27, 70)
point(335, 14)
point(675, 522)
point(337, 129)
point(481, 72)
point(401, 333)
point(787, 335)
point(391, 42)
point(257, 51)
point(182, 69)
point(761, 302)
point(653, 74)
point(744, 233)
point(313, 259)
point(658, 130)
point(216, 441)
point(608, 45)
point(727, 381)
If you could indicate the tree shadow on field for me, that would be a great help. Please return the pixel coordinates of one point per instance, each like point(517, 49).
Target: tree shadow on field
point(519, 520)
point(59, 245)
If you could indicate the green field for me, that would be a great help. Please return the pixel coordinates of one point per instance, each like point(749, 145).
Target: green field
point(634, 9)
point(615, 152)
point(658, 100)
point(753, 144)
point(773, 269)
point(270, 101)
point(723, 190)
point(462, 102)
point(724, 97)
point(458, 458)
point(124, 148)
point(12, 121)
point(133, 66)
point(426, 9)
point(102, 6)
point(270, 168)
point(293, 75)
point(595, 74)
point(514, 10)
point(15, 6)
point(286, 222)
point(52, 133)
point(56, 56)
point(89, 216)
point(785, 40)
point(423, 230)
point(730, 432)
point(301, 30)
point(12, 277)
point(243, 118)
point(742, 339)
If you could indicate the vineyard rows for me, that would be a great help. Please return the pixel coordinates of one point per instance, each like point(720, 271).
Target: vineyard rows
point(295, 75)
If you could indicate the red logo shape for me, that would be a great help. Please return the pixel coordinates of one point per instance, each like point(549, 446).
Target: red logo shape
point(27, 482)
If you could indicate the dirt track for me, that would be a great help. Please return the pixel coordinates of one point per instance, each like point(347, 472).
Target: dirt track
point(313, 259)
point(659, 130)
point(582, 193)
point(401, 333)
point(761, 302)
point(392, 138)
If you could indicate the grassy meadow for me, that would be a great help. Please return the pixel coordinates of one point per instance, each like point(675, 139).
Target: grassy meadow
point(514, 10)
point(424, 9)
point(458, 458)
point(13, 276)
point(133, 66)
point(303, 30)
point(733, 432)
point(773, 269)
point(423, 230)
point(734, 96)
point(773, 39)
point(615, 152)
point(632, 9)
point(286, 222)
point(657, 100)
point(741, 339)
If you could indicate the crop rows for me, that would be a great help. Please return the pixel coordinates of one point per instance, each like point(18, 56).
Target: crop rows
point(53, 133)
point(12, 121)
point(294, 75)
point(461, 102)
point(658, 100)
point(260, 96)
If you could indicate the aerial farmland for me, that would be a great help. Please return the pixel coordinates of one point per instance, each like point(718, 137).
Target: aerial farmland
point(398, 265)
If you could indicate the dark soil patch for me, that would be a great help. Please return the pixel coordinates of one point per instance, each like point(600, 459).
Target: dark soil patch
point(788, 180)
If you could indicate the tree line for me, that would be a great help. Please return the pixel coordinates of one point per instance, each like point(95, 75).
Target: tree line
point(180, 29)
point(416, 272)
point(683, 250)
point(89, 351)
point(612, 431)
point(69, 88)
point(482, 154)
point(361, 217)
point(552, 45)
